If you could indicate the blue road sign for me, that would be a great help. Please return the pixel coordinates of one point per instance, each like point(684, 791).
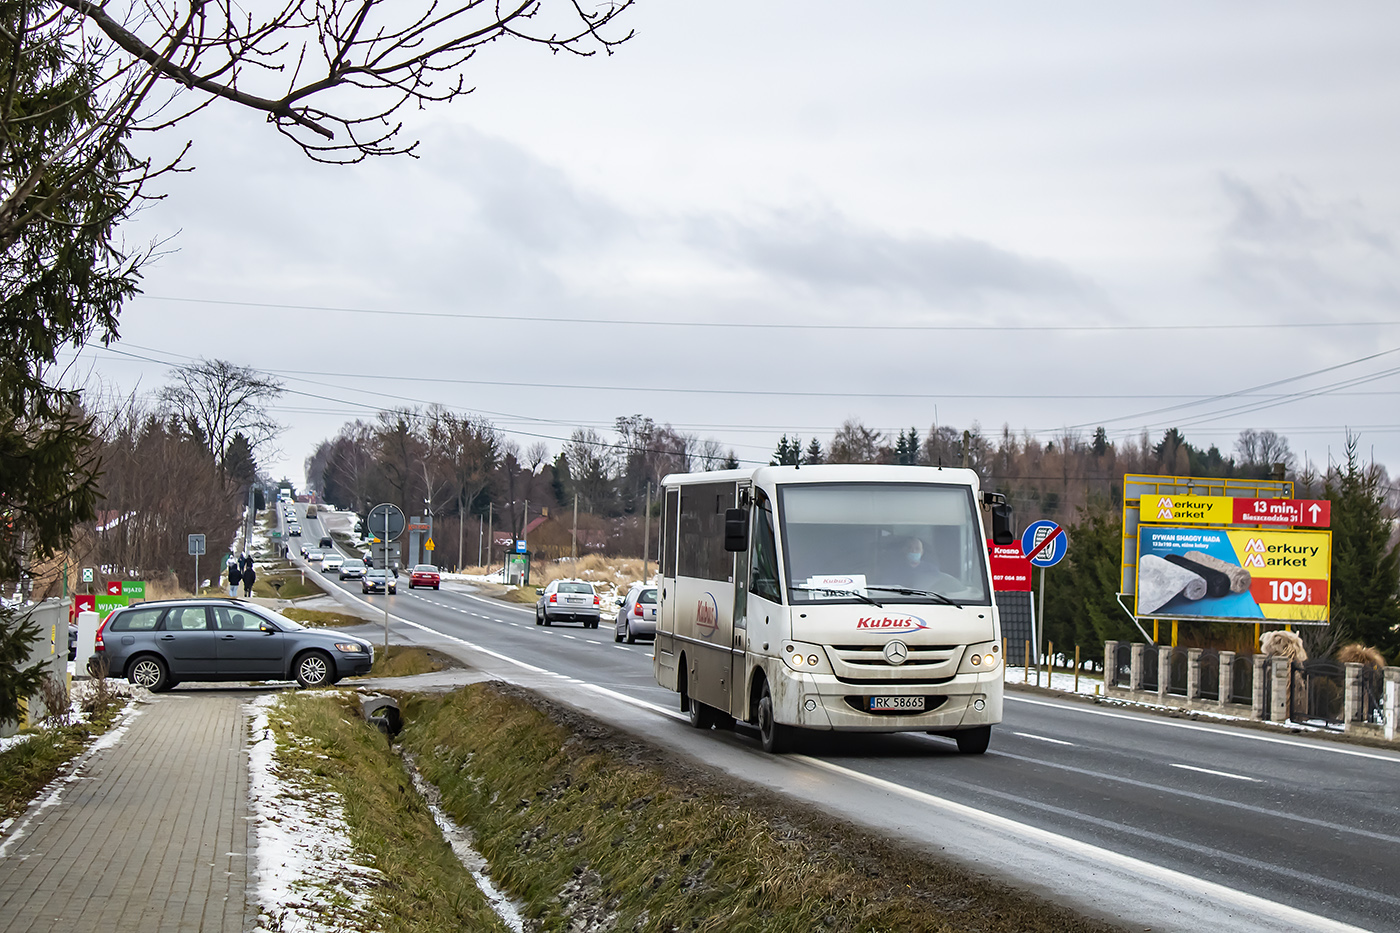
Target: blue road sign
point(1049, 538)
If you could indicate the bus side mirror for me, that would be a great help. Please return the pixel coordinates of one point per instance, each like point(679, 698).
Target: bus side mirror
point(1003, 524)
point(736, 529)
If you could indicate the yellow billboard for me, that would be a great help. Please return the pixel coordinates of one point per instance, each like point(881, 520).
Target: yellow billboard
point(1233, 573)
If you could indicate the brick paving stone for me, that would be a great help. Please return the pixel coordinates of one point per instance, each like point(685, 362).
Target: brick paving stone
point(152, 835)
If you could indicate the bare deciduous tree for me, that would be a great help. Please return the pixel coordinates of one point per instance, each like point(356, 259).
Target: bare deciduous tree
point(219, 399)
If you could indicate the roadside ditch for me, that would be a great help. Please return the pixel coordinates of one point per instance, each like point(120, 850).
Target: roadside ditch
point(588, 830)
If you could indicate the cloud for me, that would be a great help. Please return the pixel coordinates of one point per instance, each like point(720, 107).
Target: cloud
point(1284, 246)
point(823, 250)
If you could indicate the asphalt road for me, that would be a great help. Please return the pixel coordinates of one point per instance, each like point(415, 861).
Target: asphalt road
point(1155, 822)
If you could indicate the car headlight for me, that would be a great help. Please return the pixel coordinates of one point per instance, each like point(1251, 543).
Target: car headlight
point(350, 647)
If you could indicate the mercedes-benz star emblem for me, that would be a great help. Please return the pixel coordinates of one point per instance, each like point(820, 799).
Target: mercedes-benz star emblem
point(896, 652)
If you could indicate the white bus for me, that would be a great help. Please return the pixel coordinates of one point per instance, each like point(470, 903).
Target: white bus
point(840, 597)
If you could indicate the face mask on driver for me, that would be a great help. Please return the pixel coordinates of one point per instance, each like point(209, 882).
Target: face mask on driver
point(915, 556)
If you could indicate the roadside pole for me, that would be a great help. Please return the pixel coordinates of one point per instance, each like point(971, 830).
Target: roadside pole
point(646, 537)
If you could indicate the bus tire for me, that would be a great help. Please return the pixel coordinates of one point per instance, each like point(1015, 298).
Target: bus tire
point(973, 741)
point(775, 737)
point(699, 715)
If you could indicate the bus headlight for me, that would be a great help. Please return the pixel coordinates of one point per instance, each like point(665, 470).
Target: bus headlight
point(809, 659)
point(980, 658)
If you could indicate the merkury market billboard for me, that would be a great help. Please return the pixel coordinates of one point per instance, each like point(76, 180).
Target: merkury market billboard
point(1234, 574)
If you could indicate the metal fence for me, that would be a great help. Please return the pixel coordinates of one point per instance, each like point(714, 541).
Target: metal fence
point(1150, 674)
point(1210, 675)
point(1176, 672)
point(1242, 681)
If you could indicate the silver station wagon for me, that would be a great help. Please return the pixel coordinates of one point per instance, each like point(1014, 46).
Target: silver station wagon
point(158, 644)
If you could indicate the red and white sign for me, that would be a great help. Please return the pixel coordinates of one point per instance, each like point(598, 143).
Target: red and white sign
point(84, 603)
point(1302, 513)
point(1011, 570)
point(114, 588)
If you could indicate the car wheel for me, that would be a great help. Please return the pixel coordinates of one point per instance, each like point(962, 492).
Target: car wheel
point(538, 620)
point(973, 741)
point(410, 584)
point(631, 639)
point(315, 669)
point(547, 620)
point(617, 635)
point(150, 672)
point(437, 586)
point(775, 737)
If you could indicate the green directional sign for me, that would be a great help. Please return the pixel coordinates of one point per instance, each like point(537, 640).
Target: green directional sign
point(106, 604)
point(134, 589)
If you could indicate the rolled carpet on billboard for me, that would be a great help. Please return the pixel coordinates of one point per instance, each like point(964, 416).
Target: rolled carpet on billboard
point(1240, 579)
point(1160, 581)
point(1217, 583)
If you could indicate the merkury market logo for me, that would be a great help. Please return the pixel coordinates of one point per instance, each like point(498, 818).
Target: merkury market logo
point(892, 624)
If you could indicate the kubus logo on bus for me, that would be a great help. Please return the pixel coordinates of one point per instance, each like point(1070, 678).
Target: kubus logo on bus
point(707, 615)
point(899, 623)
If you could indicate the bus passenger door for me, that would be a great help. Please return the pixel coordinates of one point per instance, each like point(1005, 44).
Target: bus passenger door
point(663, 648)
point(739, 647)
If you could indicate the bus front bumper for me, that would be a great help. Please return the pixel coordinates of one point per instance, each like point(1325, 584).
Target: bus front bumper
point(823, 702)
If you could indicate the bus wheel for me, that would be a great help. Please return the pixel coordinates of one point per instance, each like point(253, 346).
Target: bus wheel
point(700, 715)
point(973, 741)
point(776, 738)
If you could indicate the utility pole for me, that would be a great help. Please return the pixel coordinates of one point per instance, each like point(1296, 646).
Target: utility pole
point(574, 546)
point(646, 537)
point(490, 518)
point(524, 527)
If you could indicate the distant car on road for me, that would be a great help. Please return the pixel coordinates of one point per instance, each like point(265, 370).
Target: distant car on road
point(161, 643)
point(424, 575)
point(352, 569)
point(313, 555)
point(637, 616)
point(325, 542)
point(573, 600)
point(331, 562)
point(373, 582)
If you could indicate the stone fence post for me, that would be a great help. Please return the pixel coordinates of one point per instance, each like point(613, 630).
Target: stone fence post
point(1135, 666)
point(1164, 671)
point(1281, 674)
point(1351, 702)
point(1392, 701)
point(1193, 673)
point(1227, 677)
point(1261, 687)
point(1110, 664)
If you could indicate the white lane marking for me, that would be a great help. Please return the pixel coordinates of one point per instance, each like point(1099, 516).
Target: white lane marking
point(1224, 774)
point(622, 648)
point(497, 603)
point(574, 637)
point(1248, 903)
point(1042, 738)
point(1149, 719)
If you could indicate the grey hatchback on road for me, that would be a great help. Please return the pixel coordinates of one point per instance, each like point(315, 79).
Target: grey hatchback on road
point(158, 644)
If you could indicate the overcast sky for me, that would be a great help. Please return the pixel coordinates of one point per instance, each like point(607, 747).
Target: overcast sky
point(1031, 190)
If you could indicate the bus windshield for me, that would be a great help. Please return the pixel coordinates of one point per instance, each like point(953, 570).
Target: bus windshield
point(890, 542)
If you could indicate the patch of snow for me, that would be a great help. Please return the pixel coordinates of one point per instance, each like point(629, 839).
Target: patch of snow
point(307, 876)
point(13, 740)
point(473, 861)
point(1090, 684)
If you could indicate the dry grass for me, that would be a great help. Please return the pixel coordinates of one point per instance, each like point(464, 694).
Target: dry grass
point(594, 831)
point(320, 618)
point(405, 661)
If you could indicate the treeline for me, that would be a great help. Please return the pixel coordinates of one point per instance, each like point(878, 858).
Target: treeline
point(472, 478)
point(469, 474)
point(158, 481)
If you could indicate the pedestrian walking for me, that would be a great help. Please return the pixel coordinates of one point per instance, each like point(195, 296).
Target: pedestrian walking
point(250, 576)
point(235, 576)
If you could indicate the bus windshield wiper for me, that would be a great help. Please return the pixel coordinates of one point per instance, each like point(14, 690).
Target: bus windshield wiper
point(830, 592)
point(906, 591)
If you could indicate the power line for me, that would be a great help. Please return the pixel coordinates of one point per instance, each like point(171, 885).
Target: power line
point(777, 325)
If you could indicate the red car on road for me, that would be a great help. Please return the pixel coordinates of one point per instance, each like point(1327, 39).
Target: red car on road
point(425, 575)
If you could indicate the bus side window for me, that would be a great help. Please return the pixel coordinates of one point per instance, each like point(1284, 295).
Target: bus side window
point(763, 580)
point(669, 533)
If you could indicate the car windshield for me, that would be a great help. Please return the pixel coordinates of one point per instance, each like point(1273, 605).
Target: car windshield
point(895, 542)
point(354, 564)
point(425, 568)
point(374, 574)
point(647, 596)
point(576, 588)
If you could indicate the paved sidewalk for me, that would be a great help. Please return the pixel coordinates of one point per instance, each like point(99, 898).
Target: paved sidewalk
point(152, 834)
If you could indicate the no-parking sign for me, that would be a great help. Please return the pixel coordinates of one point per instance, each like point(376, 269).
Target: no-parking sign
point(1044, 543)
